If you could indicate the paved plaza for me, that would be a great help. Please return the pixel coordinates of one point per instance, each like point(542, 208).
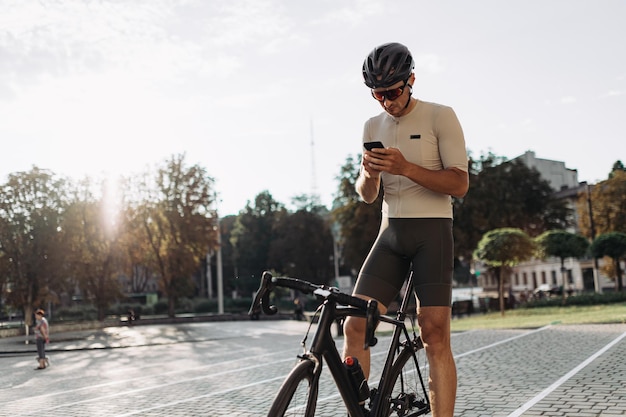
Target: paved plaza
point(235, 369)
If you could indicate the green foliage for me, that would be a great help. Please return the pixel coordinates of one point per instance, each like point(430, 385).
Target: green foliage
point(205, 306)
point(184, 305)
point(504, 247)
point(161, 307)
point(613, 245)
point(251, 239)
point(618, 166)
point(561, 244)
point(587, 299)
point(75, 313)
point(302, 247)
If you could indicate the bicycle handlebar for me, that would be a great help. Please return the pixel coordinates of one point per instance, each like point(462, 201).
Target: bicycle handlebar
point(268, 283)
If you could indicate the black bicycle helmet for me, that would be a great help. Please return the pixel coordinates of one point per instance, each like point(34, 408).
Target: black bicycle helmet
point(387, 64)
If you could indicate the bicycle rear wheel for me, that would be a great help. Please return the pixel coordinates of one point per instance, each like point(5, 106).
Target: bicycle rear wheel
point(404, 393)
point(298, 394)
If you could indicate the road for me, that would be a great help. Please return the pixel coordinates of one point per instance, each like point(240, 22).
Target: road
point(235, 369)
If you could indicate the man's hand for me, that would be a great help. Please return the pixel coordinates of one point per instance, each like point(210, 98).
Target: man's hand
point(368, 170)
point(388, 160)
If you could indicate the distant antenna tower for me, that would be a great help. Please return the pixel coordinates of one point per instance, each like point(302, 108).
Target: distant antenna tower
point(315, 198)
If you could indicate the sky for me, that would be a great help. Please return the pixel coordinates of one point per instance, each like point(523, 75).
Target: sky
point(268, 94)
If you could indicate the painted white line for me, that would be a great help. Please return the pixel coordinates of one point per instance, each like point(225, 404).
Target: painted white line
point(501, 342)
point(170, 404)
point(563, 379)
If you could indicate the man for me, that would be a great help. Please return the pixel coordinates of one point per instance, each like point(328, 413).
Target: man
point(423, 163)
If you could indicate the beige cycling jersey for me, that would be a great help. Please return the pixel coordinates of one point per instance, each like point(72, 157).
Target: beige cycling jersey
point(429, 136)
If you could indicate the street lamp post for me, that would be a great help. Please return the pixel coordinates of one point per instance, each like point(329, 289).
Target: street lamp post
point(220, 278)
point(596, 276)
point(209, 275)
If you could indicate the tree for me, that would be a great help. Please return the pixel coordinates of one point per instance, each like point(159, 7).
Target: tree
point(502, 249)
point(358, 222)
point(176, 221)
point(302, 247)
point(606, 201)
point(253, 233)
point(506, 194)
point(613, 245)
point(91, 240)
point(618, 166)
point(561, 244)
point(31, 211)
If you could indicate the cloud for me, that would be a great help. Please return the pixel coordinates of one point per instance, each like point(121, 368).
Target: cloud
point(430, 63)
point(613, 93)
point(164, 43)
point(353, 14)
point(568, 100)
point(68, 37)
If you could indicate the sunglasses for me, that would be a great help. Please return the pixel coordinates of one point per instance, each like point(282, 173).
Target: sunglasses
point(389, 95)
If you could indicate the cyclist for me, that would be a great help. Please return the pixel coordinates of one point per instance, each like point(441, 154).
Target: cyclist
point(424, 163)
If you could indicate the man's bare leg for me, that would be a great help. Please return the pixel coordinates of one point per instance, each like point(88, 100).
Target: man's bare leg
point(435, 330)
point(354, 338)
point(354, 335)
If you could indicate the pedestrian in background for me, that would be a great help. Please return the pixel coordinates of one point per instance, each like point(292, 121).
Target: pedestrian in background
point(42, 336)
point(299, 309)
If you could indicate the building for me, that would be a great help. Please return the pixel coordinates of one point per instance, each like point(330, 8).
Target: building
point(555, 172)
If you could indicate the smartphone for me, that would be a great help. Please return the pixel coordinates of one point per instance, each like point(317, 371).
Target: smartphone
point(371, 145)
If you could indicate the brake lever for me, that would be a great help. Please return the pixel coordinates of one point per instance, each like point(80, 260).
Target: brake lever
point(265, 304)
point(372, 316)
point(262, 298)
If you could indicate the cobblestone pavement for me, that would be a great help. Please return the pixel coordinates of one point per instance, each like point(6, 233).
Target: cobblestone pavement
point(235, 369)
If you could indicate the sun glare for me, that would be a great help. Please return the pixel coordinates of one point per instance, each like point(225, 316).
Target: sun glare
point(111, 204)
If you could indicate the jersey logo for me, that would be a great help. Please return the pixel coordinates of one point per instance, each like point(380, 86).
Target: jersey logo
point(416, 136)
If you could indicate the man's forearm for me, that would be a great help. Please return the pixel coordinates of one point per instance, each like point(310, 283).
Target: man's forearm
point(368, 187)
point(452, 181)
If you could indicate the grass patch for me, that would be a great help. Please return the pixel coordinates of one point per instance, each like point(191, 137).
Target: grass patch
point(538, 317)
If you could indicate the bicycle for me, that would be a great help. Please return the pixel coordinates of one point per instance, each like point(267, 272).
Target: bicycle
point(400, 391)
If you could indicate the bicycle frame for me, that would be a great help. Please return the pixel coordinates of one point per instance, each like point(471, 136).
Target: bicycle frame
point(337, 305)
point(323, 346)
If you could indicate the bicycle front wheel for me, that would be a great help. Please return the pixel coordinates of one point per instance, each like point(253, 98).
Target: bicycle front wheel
point(298, 394)
point(404, 393)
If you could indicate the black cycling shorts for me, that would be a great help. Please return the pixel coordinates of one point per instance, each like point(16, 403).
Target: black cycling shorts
point(422, 245)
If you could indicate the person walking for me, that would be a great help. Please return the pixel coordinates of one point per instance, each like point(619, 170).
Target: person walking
point(421, 163)
point(42, 336)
